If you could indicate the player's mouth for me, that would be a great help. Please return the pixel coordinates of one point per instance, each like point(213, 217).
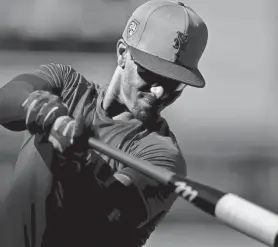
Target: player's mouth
point(150, 100)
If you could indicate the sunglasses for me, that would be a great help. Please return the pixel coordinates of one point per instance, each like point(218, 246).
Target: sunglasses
point(153, 80)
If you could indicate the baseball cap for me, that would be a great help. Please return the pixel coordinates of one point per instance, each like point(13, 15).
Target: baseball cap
point(168, 38)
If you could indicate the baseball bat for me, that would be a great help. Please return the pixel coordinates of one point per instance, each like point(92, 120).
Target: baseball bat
point(230, 209)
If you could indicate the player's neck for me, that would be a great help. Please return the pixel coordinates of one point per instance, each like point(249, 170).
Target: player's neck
point(111, 101)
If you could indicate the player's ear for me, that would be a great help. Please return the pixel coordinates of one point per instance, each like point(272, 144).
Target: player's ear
point(121, 53)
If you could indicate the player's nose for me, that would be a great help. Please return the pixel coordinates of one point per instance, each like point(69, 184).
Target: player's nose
point(158, 91)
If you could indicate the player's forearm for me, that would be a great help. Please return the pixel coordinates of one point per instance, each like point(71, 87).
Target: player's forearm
point(125, 204)
point(118, 204)
point(13, 94)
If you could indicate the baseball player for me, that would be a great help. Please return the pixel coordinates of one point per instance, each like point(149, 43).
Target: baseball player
point(65, 194)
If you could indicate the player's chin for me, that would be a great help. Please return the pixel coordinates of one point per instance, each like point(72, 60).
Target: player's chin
point(146, 115)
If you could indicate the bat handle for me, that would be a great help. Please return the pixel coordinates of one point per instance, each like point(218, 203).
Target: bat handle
point(201, 196)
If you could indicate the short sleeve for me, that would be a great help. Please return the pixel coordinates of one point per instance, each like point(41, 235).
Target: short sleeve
point(64, 80)
point(159, 151)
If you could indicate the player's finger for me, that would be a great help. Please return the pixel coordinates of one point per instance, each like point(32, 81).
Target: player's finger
point(25, 102)
point(30, 110)
point(62, 133)
point(34, 95)
point(49, 113)
point(69, 130)
point(28, 101)
point(79, 128)
point(32, 106)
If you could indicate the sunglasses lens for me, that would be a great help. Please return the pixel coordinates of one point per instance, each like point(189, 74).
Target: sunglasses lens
point(173, 85)
point(154, 79)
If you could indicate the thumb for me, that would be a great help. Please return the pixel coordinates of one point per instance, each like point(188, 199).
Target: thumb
point(80, 114)
point(79, 127)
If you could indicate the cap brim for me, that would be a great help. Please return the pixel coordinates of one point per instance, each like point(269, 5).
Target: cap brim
point(162, 67)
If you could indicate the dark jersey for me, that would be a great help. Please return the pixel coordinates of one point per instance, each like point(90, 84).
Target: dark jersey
point(104, 204)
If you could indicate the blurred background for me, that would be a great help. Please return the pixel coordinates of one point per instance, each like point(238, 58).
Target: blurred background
point(227, 131)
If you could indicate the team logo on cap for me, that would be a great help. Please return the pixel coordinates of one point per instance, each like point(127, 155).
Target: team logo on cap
point(180, 42)
point(132, 28)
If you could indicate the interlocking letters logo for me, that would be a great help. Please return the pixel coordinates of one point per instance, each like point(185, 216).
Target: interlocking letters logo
point(180, 42)
point(132, 28)
point(185, 191)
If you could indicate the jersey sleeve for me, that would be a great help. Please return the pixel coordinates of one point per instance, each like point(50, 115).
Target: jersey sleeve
point(63, 80)
point(59, 79)
point(162, 152)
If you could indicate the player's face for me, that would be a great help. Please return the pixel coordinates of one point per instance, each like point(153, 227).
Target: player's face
point(145, 93)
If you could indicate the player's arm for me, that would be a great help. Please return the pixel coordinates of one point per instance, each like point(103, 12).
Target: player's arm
point(128, 199)
point(139, 198)
point(48, 81)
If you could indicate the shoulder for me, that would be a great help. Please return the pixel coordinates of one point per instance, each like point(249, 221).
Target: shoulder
point(60, 75)
point(159, 136)
point(65, 81)
point(162, 149)
point(56, 69)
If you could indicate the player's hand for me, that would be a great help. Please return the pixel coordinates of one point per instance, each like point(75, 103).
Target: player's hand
point(68, 135)
point(69, 138)
point(41, 109)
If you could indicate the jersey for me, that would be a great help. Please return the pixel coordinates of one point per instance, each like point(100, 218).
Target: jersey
point(59, 207)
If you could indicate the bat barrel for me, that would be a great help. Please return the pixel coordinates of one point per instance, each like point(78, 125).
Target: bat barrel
point(234, 211)
point(248, 218)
